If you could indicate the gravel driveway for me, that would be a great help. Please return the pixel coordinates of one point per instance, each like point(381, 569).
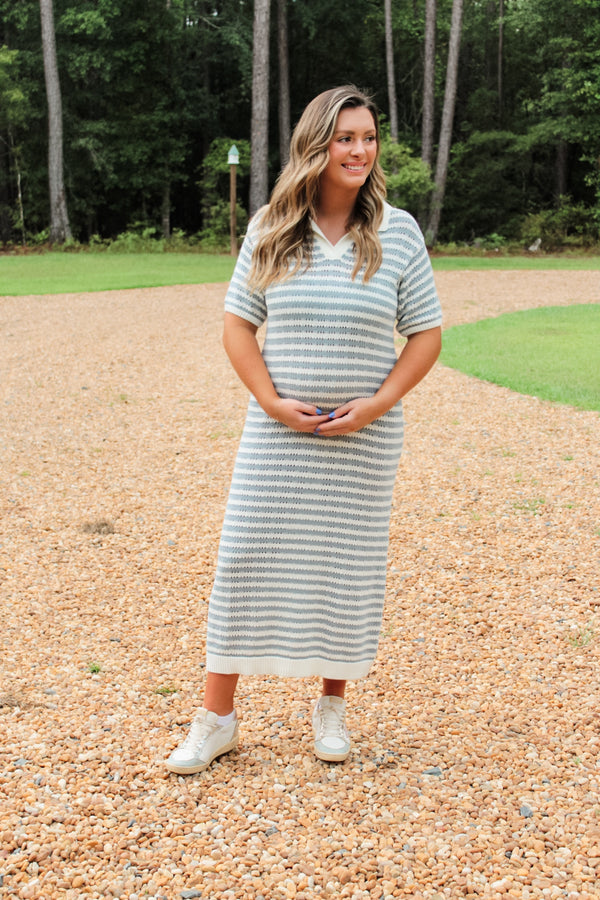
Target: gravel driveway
point(474, 770)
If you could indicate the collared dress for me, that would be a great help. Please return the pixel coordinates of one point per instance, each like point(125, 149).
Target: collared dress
point(301, 570)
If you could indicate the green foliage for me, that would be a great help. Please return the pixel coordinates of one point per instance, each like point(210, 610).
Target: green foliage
point(165, 690)
point(487, 172)
point(569, 224)
point(215, 236)
point(583, 636)
point(126, 105)
point(409, 181)
point(151, 87)
point(551, 353)
point(561, 90)
point(15, 111)
point(139, 238)
point(14, 104)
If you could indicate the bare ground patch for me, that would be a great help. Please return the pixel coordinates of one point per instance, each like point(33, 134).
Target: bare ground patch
point(475, 764)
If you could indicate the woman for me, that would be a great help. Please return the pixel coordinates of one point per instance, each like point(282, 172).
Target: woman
point(302, 560)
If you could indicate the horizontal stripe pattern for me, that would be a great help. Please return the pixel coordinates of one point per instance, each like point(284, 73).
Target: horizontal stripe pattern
point(301, 569)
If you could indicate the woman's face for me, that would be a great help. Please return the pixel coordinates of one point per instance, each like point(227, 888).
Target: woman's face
point(352, 151)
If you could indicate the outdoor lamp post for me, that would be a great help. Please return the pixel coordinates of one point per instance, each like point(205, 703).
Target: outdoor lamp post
point(233, 160)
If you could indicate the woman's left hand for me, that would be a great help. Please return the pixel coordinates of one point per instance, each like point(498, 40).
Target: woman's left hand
point(352, 416)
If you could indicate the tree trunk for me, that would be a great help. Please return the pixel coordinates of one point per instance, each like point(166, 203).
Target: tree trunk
point(284, 83)
point(60, 230)
point(259, 132)
point(562, 150)
point(165, 211)
point(562, 160)
point(500, 58)
point(391, 76)
point(165, 207)
point(17, 165)
point(443, 155)
point(428, 84)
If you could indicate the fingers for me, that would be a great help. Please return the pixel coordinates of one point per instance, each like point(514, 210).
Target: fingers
point(308, 408)
point(307, 417)
point(298, 415)
point(343, 410)
point(310, 417)
point(348, 418)
point(338, 424)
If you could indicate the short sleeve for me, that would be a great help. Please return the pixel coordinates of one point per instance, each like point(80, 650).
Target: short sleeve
point(240, 300)
point(418, 302)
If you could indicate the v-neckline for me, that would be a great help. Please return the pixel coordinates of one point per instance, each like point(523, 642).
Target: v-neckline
point(336, 251)
point(331, 251)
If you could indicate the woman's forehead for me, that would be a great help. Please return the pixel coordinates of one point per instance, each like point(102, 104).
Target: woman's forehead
point(356, 118)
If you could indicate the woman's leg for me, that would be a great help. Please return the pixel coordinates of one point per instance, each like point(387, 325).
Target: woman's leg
point(219, 692)
point(333, 688)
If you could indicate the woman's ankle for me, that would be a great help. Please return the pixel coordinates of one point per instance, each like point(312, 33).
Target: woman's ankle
point(333, 688)
point(219, 693)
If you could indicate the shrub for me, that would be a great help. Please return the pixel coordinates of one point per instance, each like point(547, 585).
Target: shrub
point(215, 235)
point(569, 224)
point(408, 178)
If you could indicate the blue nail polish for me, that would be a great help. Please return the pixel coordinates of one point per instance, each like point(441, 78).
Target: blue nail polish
point(316, 431)
point(319, 411)
point(331, 415)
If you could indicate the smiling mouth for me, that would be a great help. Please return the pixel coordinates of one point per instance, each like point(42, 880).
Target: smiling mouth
point(358, 168)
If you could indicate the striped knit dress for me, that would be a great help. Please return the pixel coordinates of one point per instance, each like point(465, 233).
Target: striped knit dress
point(302, 561)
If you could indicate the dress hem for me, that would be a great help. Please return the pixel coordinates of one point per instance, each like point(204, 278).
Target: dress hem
point(287, 668)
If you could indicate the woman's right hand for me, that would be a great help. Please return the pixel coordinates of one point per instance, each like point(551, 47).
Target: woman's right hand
point(296, 415)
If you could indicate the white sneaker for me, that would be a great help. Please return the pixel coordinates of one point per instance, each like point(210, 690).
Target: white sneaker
point(332, 741)
point(205, 741)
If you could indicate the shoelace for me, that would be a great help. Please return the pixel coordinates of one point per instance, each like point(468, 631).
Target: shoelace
point(199, 733)
point(331, 723)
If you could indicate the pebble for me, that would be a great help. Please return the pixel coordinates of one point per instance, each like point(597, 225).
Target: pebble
point(475, 755)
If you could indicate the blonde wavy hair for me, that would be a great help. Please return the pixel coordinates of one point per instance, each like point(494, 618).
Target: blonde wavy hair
point(284, 243)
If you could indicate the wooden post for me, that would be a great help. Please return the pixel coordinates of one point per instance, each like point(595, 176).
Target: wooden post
point(233, 160)
point(232, 211)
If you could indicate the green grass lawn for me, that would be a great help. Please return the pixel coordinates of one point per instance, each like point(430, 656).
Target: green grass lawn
point(64, 273)
point(552, 353)
point(465, 263)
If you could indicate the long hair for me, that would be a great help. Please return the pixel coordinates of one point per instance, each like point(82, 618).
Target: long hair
point(285, 234)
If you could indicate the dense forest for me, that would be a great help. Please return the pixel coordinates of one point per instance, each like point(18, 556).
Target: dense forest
point(491, 112)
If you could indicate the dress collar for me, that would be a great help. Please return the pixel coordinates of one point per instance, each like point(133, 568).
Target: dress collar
point(335, 251)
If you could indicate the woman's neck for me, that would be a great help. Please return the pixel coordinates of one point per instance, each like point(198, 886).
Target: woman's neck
point(333, 212)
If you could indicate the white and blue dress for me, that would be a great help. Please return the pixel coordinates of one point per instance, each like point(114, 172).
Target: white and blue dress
point(301, 571)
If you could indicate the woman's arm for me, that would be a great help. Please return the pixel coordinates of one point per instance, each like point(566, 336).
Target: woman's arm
point(416, 359)
point(241, 346)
